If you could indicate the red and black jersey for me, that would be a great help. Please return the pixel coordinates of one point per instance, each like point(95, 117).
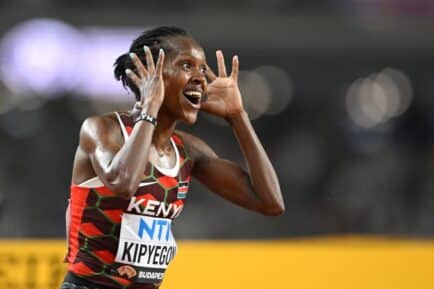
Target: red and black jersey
point(96, 214)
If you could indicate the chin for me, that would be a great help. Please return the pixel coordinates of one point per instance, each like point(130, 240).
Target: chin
point(189, 118)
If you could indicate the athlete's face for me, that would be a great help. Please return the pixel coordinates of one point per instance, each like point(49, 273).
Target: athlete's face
point(184, 79)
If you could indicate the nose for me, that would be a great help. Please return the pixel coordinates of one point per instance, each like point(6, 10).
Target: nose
point(198, 78)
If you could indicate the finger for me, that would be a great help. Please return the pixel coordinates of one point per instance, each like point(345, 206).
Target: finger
point(139, 65)
point(221, 64)
point(134, 78)
point(210, 75)
point(137, 82)
point(235, 67)
point(160, 62)
point(149, 61)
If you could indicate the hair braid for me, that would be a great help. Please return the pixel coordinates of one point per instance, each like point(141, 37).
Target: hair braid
point(154, 38)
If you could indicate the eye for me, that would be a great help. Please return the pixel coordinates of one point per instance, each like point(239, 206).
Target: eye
point(186, 65)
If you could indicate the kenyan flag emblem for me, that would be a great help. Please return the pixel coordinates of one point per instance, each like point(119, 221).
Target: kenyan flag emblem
point(182, 189)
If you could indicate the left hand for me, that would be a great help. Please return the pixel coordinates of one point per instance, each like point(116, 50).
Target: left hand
point(224, 97)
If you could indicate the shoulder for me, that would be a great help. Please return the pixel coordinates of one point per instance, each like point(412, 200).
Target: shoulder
point(195, 146)
point(99, 128)
point(104, 121)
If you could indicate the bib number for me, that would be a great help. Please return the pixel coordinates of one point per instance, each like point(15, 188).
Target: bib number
point(146, 247)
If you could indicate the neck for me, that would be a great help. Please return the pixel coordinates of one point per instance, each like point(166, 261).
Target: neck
point(163, 132)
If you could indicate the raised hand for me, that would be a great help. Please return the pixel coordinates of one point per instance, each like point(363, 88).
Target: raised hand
point(224, 97)
point(149, 80)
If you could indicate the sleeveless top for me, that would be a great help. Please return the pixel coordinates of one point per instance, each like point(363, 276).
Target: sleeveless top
point(127, 243)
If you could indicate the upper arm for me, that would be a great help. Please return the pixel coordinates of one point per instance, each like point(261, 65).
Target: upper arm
point(223, 177)
point(99, 142)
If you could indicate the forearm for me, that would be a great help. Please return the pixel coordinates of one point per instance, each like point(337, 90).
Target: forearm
point(263, 177)
point(127, 166)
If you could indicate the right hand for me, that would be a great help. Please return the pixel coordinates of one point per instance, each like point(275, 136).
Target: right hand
point(149, 80)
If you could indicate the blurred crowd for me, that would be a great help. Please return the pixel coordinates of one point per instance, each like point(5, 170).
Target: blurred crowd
point(340, 92)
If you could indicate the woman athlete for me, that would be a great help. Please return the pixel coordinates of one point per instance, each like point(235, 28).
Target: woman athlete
point(132, 170)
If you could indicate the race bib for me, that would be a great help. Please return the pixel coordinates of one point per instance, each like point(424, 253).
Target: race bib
point(146, 247)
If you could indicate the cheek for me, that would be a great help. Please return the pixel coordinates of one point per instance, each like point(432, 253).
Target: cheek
point(172, 88)
point(169, 71)
point(169, 84)
point(174, 79)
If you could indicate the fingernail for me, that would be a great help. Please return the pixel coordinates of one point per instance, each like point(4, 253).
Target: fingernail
point(127, 70)
point(131, 55)
point(161, 50)
point(145, 48)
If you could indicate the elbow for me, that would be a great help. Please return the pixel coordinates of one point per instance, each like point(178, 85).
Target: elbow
point(275, 210)
point(126, 191)
point(122, 184)
point(123, 190)
point(130, 189)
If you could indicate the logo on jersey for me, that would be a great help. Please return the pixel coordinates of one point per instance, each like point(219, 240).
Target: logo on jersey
point(183, 189)
point(154, 208)
point(127, 271)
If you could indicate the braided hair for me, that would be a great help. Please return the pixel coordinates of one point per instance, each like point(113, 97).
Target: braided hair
point(154, 38)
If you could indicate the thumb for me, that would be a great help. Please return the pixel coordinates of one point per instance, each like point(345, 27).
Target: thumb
point(207, 104)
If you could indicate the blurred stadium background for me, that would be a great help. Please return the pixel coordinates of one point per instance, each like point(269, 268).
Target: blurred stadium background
point(341, 92)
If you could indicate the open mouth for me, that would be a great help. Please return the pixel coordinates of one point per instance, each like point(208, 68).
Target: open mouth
point(193, 96)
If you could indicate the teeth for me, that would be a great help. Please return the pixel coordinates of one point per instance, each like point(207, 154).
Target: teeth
point(193, 93)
